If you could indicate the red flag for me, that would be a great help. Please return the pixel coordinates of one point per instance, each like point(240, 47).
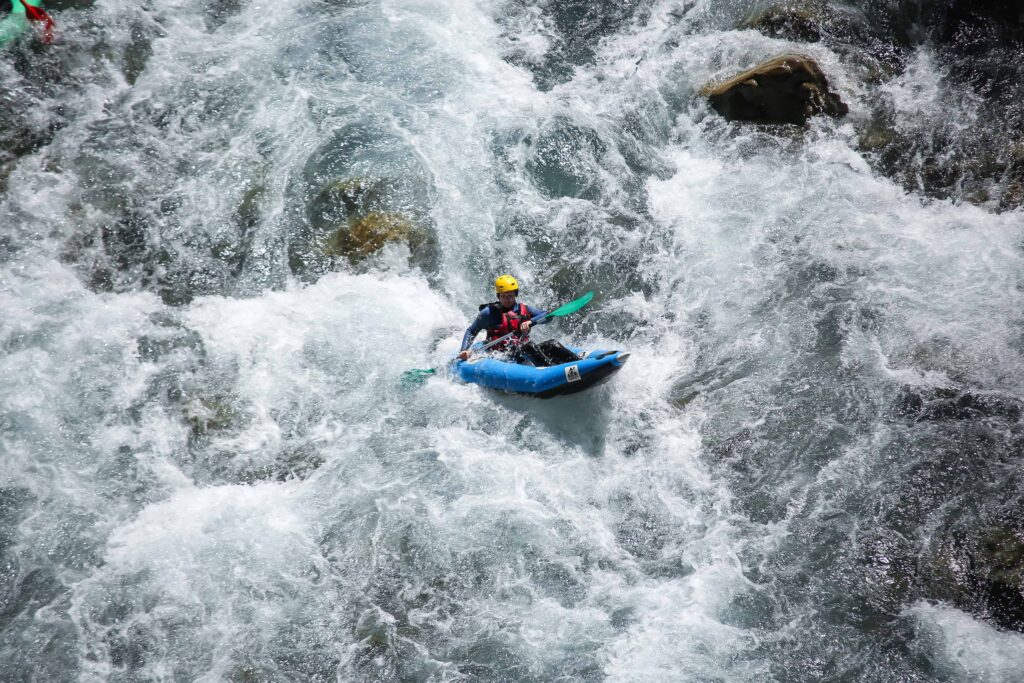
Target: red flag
point(39, 14)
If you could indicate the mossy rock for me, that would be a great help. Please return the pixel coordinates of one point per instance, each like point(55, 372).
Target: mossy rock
point(1003, 551)
point(248, 212)
point(878, 136)
point(350, 219)
point(363, 236)
point(352, 191)
point(980, 572)
point(209, 414)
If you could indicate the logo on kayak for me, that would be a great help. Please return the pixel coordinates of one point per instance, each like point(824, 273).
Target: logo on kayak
point(572, 373)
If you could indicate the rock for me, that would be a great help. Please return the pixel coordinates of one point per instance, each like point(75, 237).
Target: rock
point(375, 626)
point(248, 213)
point(250, 673)
point(797, 21)
point(787, 89)
point(974, 43)
point(366, 235)
point(1001, 552)
point(354, 217)
point(927, 405)
point(564, 161)
point(811, 21)
point(209, 414)
point(975, 24)
point(981, 572)
point(868, 48)
point(1012, 196)
point(342, 199)
point(877, 137)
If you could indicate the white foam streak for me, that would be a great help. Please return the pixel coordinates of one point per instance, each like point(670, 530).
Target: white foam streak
point(966, 649)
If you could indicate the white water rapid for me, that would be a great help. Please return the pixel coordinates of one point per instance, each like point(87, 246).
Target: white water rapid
point(211, 470)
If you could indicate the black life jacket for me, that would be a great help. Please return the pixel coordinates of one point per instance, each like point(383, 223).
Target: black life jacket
point(510, 322)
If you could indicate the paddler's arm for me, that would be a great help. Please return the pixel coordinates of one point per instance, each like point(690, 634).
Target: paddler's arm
point(482, 322)
point(534, 313)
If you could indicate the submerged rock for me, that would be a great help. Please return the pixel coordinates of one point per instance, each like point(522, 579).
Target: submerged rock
point(976, 48)
point(790, 88)
point(1001, 553)
point(980, 572)
point(365, 235)
point(977, 25)
point(353, 218)
point(206, 414)
point(955, 404)
point(797, 21)
point(342, 198)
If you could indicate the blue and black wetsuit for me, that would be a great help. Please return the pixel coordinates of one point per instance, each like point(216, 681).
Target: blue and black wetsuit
point(490, 318)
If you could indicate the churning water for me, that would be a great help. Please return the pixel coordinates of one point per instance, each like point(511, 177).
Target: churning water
point(210, 470)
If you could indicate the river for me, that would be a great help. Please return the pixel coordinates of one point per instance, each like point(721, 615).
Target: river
point(212, 470)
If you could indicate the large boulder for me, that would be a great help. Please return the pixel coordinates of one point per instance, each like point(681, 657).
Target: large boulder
point(790, 89)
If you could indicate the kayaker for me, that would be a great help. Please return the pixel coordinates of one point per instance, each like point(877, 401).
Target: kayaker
point(507, 315)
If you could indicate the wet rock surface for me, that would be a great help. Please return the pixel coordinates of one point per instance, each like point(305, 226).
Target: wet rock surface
point(979, 570)
point(955, 404)
point(786, 89)
point(368, 234)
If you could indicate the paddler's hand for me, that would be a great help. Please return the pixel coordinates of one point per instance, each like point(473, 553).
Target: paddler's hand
point(464, 355)
point(525, 326)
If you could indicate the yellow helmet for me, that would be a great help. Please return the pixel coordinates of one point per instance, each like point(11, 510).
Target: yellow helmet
point(506, 283)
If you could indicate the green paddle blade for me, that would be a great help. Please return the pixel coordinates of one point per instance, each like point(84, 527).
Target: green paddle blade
point(417, 376)
point(573, 306)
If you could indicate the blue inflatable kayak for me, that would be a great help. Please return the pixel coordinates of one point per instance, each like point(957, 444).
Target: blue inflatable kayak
point(557, 380)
